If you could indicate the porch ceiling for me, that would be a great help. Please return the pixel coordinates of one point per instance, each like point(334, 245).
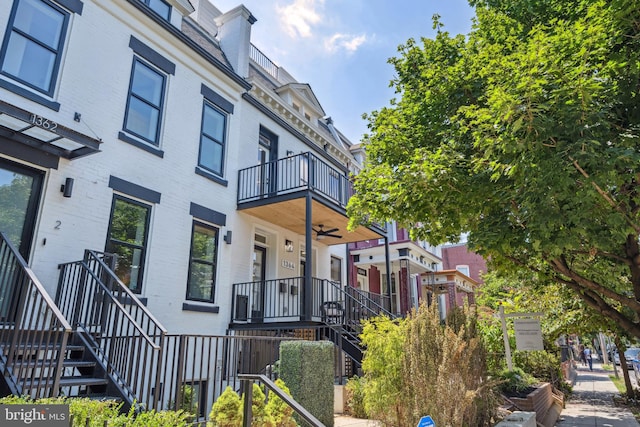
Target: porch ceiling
point(290, 214)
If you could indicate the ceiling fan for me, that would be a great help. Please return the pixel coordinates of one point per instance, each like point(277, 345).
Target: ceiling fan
point(322, 233)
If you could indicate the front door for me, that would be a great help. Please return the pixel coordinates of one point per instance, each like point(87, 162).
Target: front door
point(20, 189)
point(259, 273)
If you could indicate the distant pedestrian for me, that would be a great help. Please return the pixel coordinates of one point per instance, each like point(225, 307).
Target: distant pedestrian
point(587, 355)
point(583, 359)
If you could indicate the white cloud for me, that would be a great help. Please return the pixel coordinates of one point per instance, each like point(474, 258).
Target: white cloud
point(348, 42)
point(299, 17)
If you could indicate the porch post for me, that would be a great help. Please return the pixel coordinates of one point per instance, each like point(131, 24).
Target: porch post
point(388, 266)
point(307, 289)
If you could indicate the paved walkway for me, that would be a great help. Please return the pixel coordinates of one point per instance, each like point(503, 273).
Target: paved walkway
point(591, 403)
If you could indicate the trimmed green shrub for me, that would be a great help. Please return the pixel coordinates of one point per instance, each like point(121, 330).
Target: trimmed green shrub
point(281, 412)
point(227, 410)
point(259, 415)
point(307, 368)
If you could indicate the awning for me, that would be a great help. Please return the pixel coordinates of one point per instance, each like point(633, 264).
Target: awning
point(43, 134)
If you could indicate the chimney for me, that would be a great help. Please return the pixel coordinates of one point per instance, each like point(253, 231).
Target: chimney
point(234, 33)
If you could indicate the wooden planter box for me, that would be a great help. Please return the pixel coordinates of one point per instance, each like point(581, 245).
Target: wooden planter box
point(544, 402)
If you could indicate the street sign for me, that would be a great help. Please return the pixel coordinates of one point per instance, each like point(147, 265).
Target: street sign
point(426, 421)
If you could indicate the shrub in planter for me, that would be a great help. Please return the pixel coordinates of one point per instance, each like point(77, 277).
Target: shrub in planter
point(516, 382)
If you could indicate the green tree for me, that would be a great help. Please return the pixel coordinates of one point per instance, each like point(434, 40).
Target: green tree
point(525, 135)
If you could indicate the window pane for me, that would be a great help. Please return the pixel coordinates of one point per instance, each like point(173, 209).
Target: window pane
point(147, 84)
point(129, 267)
point(40, 21)
point(15, 191)
point(129, 223)
point(142, 119)
point(127, 238)
point(204, 243)
point(211, 155)
point(213, 123)
point(201, 281)
point(29, 62)
point(160, 7)
point(202, 266)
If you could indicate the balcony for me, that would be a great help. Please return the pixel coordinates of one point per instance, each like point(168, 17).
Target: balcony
point(272, 303)
point(279, 192)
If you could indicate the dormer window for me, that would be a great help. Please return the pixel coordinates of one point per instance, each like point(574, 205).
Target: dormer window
point(296, 107)
point(307, 116)
point(160, 7)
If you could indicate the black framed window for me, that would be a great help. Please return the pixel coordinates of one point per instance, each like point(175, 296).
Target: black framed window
point(127, 238)
point(160, 7)
point(212, 139)
point(32, 47)
point(194, 397)
point(144, 102)
point(202, 263)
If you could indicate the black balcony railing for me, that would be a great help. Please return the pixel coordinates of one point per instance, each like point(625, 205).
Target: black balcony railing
point(294, 173)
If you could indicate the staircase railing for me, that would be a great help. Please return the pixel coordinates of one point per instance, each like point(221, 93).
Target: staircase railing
point(122, 332)
point(33, 332)
point(357, 305)
point(247, 389)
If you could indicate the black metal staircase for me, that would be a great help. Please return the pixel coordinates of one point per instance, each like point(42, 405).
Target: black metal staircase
point(344, 316)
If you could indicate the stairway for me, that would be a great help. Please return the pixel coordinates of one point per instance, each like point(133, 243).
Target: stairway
point(81, 376)
point(344, 328)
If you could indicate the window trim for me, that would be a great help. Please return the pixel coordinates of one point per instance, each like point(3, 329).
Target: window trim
point(213, 263)
point(10, 30)
point(160, 108)
point(224, 114)
point(143, 257)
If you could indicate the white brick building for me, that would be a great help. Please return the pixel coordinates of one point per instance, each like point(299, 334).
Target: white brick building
point(155, 130)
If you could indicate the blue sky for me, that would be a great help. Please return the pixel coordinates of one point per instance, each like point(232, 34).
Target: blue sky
point(341, 47)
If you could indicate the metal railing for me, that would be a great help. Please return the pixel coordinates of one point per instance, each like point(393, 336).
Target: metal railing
point(124, 335)
point(263, 61)
point(33, 332)
point(279, 300)
point(196, 369)
point(303, 171)
point(271, 387)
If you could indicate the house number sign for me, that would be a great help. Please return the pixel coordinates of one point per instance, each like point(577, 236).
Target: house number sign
point(288, 264)
point(43, 123)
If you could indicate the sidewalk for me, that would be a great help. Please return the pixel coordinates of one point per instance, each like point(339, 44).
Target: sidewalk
point(591, 403)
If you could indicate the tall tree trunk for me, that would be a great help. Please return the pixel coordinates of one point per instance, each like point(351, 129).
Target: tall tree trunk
point(623, 364)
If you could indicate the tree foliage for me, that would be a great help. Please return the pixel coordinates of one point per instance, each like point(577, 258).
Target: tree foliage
point(524, 134)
